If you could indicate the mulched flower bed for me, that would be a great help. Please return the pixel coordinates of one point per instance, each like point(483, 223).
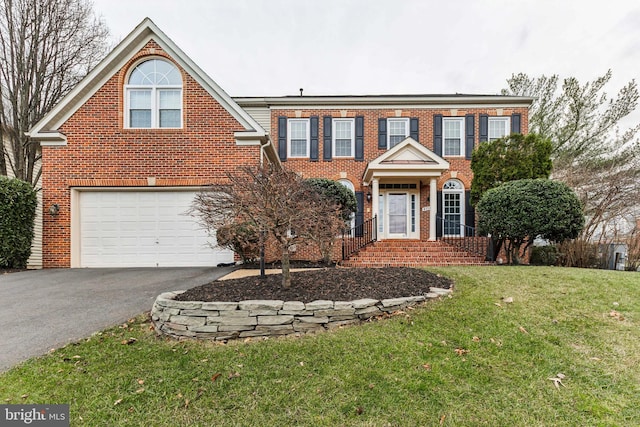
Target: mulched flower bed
point(336, 284)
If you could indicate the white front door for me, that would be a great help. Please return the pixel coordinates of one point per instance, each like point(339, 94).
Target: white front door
point(398, 215)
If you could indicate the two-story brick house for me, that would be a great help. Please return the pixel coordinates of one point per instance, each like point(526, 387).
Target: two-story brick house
point(125, 152)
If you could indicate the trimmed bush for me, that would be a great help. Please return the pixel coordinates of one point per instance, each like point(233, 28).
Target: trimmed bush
point(17, 213)
point(544, 255)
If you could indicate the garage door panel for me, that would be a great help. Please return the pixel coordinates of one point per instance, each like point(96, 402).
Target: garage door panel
point(143, 229)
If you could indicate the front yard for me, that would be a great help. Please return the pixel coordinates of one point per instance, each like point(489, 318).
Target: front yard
point(566, 351)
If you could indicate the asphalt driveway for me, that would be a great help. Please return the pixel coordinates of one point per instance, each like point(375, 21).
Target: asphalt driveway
point(45, 309)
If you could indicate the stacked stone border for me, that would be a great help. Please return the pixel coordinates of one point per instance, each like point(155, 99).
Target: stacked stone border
point(224, 321)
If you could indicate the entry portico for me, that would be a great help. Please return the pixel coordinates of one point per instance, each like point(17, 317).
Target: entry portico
point(395, 179)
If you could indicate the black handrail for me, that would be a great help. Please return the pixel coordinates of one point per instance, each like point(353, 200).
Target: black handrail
point(462, 236)
point(358, 237)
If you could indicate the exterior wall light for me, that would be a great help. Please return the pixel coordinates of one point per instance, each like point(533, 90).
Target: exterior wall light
point(368, 197)
point(54, 209)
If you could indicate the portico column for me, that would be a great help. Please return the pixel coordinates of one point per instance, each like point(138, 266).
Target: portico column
point(375, 191)
point(433, 202)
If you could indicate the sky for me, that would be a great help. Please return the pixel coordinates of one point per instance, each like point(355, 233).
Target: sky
point(371, 47)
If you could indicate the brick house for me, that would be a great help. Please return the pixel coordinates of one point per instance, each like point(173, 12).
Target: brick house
point(125, 152)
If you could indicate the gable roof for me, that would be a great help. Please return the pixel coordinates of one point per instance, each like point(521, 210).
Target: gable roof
point(408, 158)
point(46, 130)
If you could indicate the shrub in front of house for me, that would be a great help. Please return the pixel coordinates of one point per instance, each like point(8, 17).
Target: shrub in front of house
point(544, 255)
point(17, 213)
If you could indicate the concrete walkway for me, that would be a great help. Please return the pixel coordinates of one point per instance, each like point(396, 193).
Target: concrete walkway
point(45, 309)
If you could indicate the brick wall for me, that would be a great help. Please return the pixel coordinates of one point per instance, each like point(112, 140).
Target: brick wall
point(100, 152)
point(341, 168)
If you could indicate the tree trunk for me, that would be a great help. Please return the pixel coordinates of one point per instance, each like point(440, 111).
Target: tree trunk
point(286, 271)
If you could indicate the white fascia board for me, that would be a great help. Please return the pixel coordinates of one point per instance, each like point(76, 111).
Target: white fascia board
point(373, 101)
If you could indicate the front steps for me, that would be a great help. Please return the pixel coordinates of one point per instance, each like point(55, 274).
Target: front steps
point(412, 253)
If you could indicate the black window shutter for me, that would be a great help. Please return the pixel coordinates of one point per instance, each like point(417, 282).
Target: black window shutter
point(359, 213)
point(439, 214)
point(515, 123)
point(470, 130)
point(469, 213)
point(359, 138)
point(382, 134)
point(484, 128)
point(414, 128)
point(326, 135)
point(437, 135)
point(313, 123)
point(282, 138)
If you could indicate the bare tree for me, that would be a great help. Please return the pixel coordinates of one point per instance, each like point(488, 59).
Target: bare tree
point(277, 201)
point(46, 47)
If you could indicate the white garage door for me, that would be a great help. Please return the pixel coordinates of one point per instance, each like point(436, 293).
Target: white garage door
point(143, 229)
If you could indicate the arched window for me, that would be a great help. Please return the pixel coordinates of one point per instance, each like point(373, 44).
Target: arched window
point(349, 185)
point(453, 208)
point(154, 95)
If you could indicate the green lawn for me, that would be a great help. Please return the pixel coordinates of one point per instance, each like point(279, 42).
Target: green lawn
point(469, 360)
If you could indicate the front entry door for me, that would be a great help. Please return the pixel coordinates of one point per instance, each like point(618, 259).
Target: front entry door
point(399, 215)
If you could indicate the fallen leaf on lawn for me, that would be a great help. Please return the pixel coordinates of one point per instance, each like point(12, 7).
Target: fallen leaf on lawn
point(359, 410)
point(129, 341)
point(301, 363)
point(476, 339)
point(557, 380)
point(140, 381)
point(234, 375)
point(195, 380)
point(614, 313)
point(498, 304)
point(508, 300)
point(215, 376)
point(140, 390)
point(442, 419)
point(371, 386)
point(597, 359)
point(24, 396)
point(77, 357)
point(427, 366)
point(461, 351)
point(117, 402)
point(186, 403)
point(523, 330)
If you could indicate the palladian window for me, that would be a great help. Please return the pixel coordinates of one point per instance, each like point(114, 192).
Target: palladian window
point(154, 96)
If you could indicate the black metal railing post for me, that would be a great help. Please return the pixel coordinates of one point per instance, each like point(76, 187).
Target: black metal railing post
point(465, 239)
point(358, 237)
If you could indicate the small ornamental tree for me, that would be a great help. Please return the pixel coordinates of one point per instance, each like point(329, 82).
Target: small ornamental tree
point(277, 201)
point(519, 211)
point(509, 159)
point(17, 212)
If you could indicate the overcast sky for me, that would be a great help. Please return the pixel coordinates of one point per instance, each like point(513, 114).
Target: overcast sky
point(342, 47)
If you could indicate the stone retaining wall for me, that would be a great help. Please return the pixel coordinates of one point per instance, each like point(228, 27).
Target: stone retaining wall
point(259, 318)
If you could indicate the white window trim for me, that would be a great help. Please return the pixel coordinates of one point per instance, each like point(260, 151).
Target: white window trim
point(397, 119)
point(155, 98)
point(462, 136)
point(505, 119)
point(308, 137)
point(460, 190)
point(334, 134)
point(155, 105)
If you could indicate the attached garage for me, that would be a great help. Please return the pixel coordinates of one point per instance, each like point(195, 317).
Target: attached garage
point(140, 228)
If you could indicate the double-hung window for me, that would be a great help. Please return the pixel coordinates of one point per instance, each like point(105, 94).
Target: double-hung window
point(453, 128)
point(154, 96)
point(343, 140)
point(298, 135)
point(398, 131)
point(498, 127)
